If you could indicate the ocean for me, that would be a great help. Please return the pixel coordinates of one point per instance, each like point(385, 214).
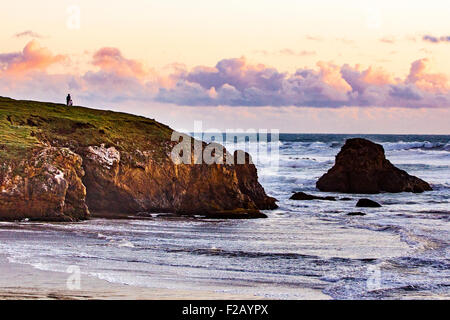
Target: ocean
point(398, 251)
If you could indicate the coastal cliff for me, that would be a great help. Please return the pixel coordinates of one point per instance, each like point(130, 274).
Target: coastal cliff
point(61, 163)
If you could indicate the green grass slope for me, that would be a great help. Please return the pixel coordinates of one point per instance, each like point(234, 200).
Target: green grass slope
point(26, 125)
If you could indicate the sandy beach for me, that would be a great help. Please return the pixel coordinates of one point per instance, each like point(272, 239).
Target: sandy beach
point(23, 282)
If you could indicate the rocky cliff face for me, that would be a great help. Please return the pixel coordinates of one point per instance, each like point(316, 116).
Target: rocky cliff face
point(361, 167)
point(47, 186)
point(116, 186)
point(72, 161)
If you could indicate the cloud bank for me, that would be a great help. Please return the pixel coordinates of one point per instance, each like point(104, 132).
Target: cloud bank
point(231, 82)
point(433, 39)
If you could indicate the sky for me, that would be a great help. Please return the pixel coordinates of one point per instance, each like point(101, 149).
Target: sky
point(297, 66)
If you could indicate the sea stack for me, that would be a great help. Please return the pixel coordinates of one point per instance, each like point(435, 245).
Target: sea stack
point(361, 167)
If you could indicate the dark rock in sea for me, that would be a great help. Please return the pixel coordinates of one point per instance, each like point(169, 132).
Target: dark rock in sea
point(302, 196)
point(367, 203)
point(361, 167)
point(305, 196)
point(356, 214)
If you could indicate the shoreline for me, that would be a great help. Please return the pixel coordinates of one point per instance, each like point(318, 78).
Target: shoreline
point(25, 282)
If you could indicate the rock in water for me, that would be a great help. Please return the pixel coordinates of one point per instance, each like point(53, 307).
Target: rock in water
point(368, 203)
point(361, 167)
point(305, 196)
point(356, 214)
point(302, 196)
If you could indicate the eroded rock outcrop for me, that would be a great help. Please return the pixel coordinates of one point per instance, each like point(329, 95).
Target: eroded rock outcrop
point(47, 186)
point(361, 167)
point(162, 186)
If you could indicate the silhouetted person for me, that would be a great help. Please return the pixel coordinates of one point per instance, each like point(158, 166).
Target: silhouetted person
point(69, 100)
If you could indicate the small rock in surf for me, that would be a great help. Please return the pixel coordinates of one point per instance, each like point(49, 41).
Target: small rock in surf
point(368, 203)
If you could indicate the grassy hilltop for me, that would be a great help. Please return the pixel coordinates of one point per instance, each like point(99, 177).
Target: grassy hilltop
point(25, 125)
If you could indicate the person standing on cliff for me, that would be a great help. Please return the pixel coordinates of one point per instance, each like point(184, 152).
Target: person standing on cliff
point(69, 100)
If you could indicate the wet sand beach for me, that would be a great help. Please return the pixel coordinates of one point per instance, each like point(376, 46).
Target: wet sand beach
point(23, 282)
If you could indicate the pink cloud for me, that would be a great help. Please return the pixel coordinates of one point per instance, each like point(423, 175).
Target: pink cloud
point(331, 75)
point(389, 40)
point(423, 77)
point(33, 57)
point(112, 60)
point(359, 80)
